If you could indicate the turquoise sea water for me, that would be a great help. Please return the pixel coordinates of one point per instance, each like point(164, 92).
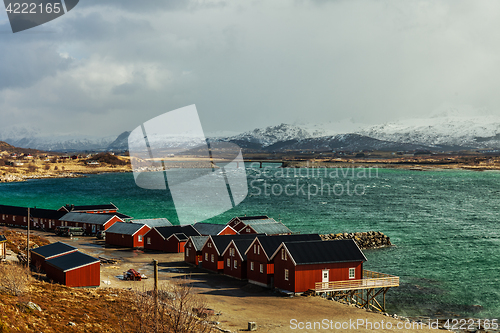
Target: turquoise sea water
point(445, 224)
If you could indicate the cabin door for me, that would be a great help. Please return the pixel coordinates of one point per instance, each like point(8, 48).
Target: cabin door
point(325, 278)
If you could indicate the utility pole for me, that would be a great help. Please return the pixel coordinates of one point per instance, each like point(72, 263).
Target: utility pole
point(155, 263)
point(28, 241)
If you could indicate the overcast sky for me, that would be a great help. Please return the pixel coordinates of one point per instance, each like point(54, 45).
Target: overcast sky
point(108, 66)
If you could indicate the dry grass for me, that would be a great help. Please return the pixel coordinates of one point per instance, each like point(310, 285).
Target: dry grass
point(173, 310)
point(92, 310)
point(16, 240)
point(14, 279)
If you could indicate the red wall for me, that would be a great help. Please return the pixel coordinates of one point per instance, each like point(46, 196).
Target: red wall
point(87, 276)
point(172, 245)
point(240, 272)
point(156, 241)
point(191, 255)
point(218, 261)
point(127, 240)
point(228, 231)
point(257, 259)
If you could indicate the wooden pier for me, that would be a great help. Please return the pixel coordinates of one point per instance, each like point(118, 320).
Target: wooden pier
point(362, 292)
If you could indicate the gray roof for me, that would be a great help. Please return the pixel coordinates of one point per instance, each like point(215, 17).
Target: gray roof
point(71, 261)
point(271, 243)
point(259, 221)
point(160, 222)
point(87, 218)
point(124, 228)
point(209, 228)
point(323, 252)
point(275, 228)
point(54, 249)
point(242, 246)
point(198, 242)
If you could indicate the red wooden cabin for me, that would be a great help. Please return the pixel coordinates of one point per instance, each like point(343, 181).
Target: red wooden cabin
point(260, 267)
point(235, 259)
point(214, 248)
point(75, 270)
point(298, 266)
point(18, 217)
point(91, 223)
point(169, 239)
point(192, 249)
point(126, 234)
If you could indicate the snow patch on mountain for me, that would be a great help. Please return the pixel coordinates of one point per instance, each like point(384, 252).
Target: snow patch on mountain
point(272, 134)
point(465, 131)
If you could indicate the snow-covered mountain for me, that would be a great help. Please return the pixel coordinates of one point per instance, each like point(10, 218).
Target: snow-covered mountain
point(441, 132)
point(271, 135)
point(445, 130)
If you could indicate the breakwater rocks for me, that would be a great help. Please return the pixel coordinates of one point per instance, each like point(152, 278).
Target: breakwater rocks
point(365, 240)
point(9, 178)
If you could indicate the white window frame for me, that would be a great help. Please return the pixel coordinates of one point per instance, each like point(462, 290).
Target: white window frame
point(352, 273)
point(139, 238)
point(212, 257)
point(287, 275)
point(206, 256)
point(235, 264)
point(261, 268)
point(149, 240)
point(228, 262)
point(251, 265)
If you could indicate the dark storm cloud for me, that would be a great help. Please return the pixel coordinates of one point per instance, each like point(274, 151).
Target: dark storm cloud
point(250, 64)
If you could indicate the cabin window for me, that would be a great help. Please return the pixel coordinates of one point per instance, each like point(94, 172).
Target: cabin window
point(236, 264)
point(254, 249)
point(149, 240)
point(187, 251)
point(258, 249)
point(139, 238)
point(212, 257)
point(283, 254)
point(231, 252)
point(248, 229)
point(228, 262)
point(261, 268)
point(13, 217)
point(206, 256)
point(209, 244)
point(189, 244)
point(251, 265)
point(352, 273)
point(286, 274)
point(3, 216)
point(123, 236)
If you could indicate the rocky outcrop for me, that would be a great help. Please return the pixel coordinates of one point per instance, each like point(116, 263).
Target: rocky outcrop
point(365, 240)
